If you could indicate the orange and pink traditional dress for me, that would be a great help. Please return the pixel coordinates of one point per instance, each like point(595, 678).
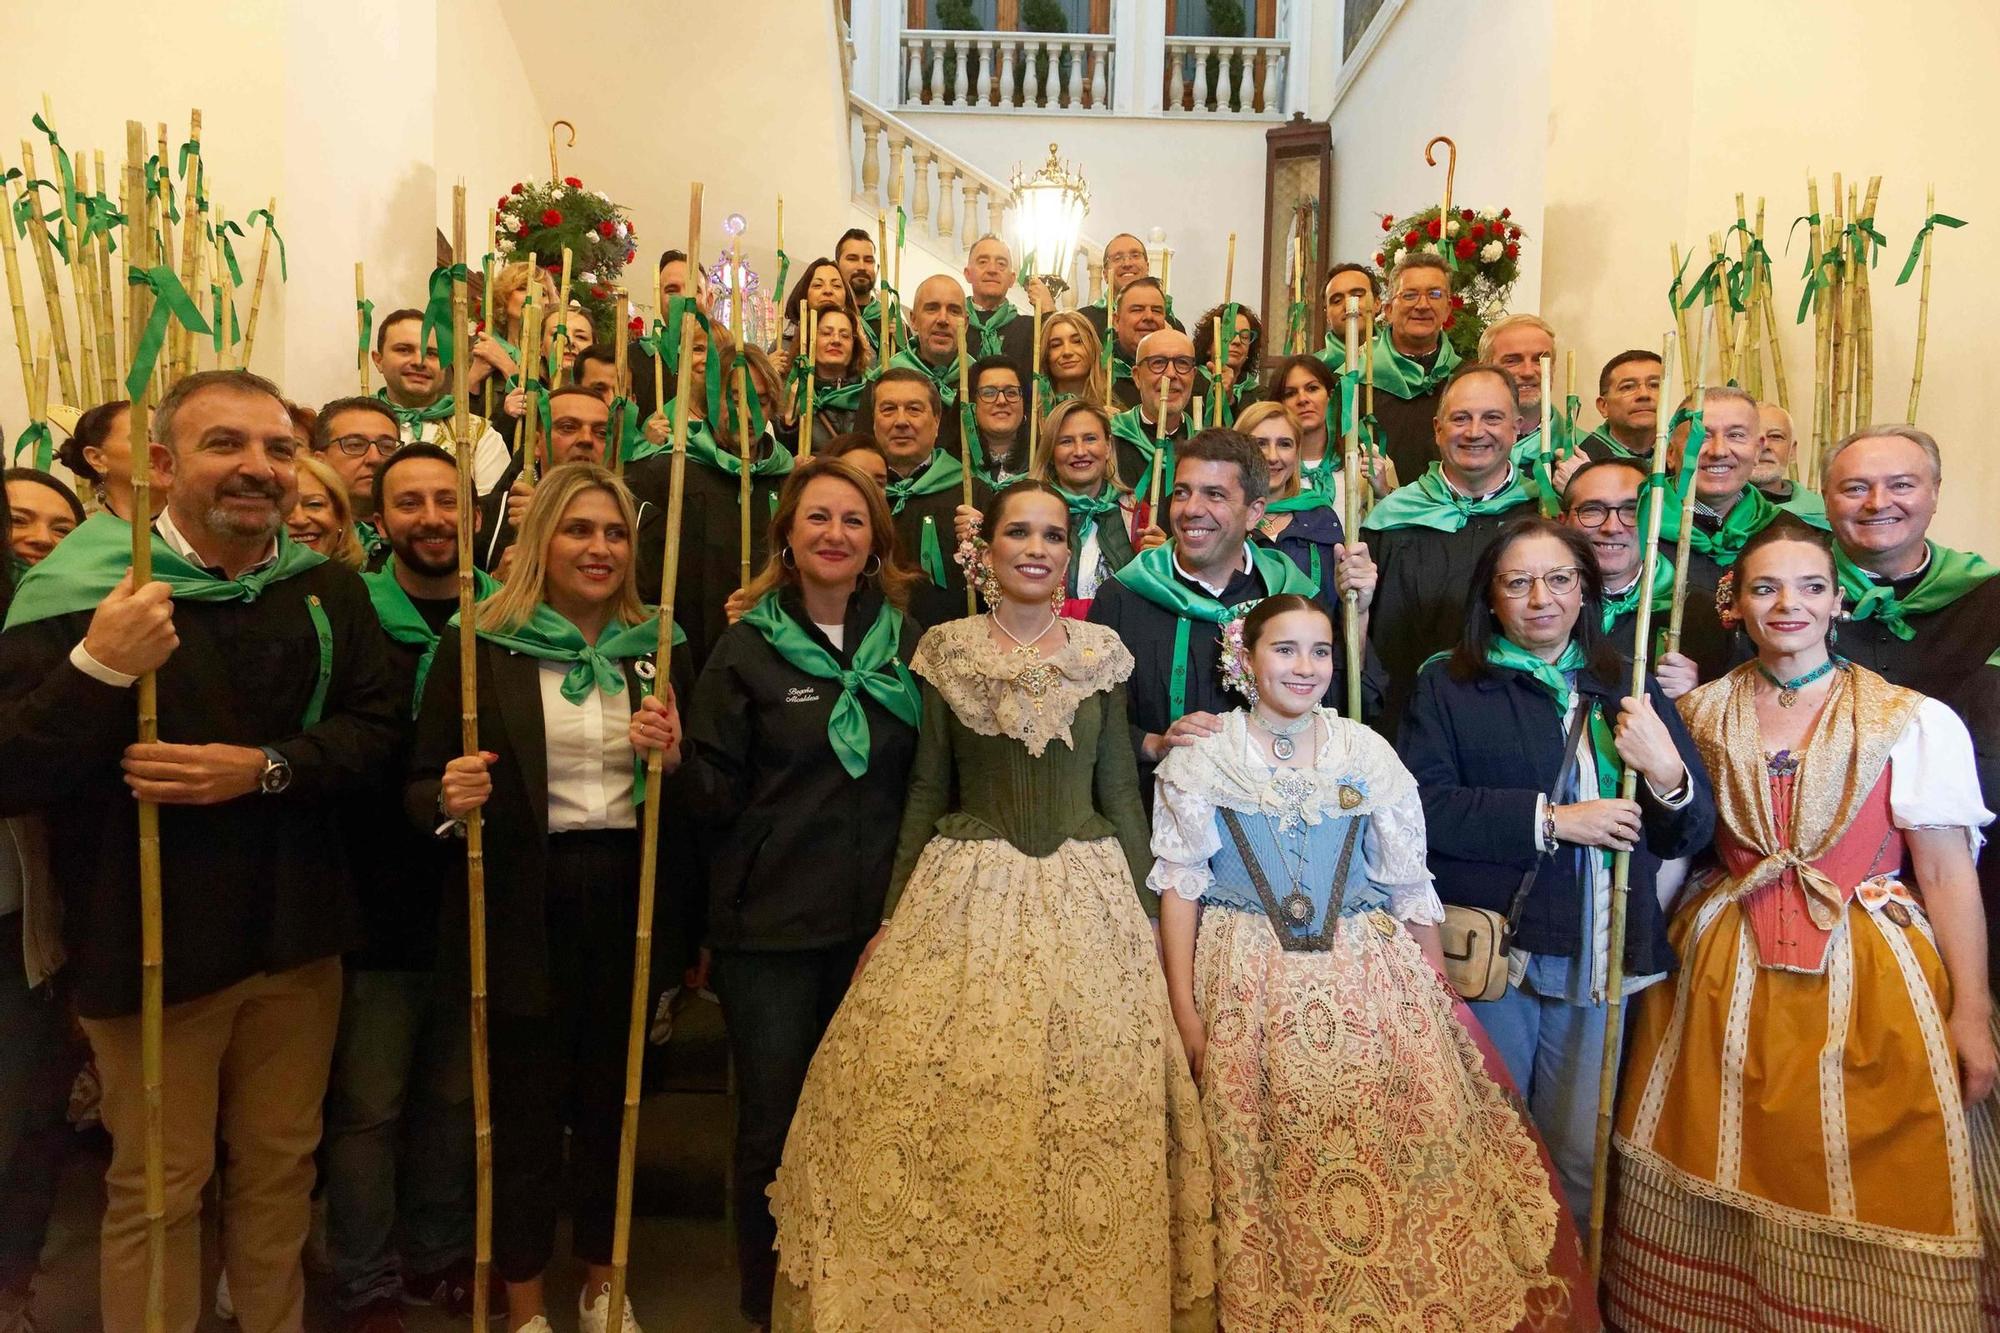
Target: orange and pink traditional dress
point(1794, 1152)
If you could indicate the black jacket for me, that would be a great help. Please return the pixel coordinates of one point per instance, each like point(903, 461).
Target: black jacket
point(1409, 431)
point(515, 820)
point(931, 603)
point(1481, 752)
point(799, 852)
point(256, 884)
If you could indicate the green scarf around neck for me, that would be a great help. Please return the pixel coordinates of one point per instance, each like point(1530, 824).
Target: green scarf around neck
point(1150, 574)
point(1404, 377)
point(549, 637)
point(414, 418)
point(1750, 515)
point(1553, 677)
point(875, 668)
point(400, 618)
point(1430, 502)
point(1625, 603)
point(1130, 426)
point(1950, 576)
point(1334, 353)
point(943, 472)
point(944, 377)
point(987, 325)
point(87, 564)
point(1086, 510)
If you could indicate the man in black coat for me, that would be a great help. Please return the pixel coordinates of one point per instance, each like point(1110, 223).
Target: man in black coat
point(276, 702)
point(1919, 613)
point(1413, 359)
point(994, 326)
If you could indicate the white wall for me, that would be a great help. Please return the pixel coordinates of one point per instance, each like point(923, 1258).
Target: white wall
point(345, 113)
point(1472, 71)
point(1197, 179)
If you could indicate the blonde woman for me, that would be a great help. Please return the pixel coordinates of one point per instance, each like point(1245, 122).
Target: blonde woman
point(1072, 360)
point(322, 518)
point(1077, 460)
point(1299, 520)
point(499, 349)
point(570, 703)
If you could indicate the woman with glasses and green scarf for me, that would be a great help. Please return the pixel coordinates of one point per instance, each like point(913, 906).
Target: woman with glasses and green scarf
point(570, 704)
point(1517, 739)
point(802, 732)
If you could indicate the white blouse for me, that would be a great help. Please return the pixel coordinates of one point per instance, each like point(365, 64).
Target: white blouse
point(589, 756)
point(1933, 777)
point(1230, 764)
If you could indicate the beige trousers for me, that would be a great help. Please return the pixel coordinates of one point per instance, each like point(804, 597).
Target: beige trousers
point(250, 1063)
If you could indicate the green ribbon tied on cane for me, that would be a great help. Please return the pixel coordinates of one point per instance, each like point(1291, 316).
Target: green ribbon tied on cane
point(902, 225)
point(225, 317)
point(875, 669)
point(1705, 284)
point(37, 437)
point(1858, 234)
point(437, 310)
point(63, 168)
point(1917, 246)
point(784, 268)
point(170, 301)
point(28, 209)
point(223, 230)
point(100, 218)
point(366, 309)
point(1691, 448)
point(271, 225)
point(160, 185)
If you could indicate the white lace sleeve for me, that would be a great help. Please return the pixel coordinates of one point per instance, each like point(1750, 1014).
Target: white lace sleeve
point(1933, 782)
point(1184, 837)
point(1395, 852)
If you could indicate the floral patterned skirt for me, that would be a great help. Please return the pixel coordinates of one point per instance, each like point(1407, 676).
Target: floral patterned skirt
point(1369, 1172)
point(999, 1130)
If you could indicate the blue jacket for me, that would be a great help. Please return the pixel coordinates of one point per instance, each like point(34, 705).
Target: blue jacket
point(1481, 751)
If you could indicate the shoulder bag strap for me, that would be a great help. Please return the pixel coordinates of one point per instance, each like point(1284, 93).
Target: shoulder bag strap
point(1571, 742)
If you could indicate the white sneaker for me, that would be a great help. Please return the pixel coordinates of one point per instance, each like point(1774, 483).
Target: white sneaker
point(596, 1316)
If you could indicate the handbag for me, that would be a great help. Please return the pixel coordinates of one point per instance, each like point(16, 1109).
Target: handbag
point(1474, 940)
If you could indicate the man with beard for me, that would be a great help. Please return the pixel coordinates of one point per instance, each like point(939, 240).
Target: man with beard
point(579, 426)
point(1168, 603)
point(413, 390)
point(1427, 535)
point(854, 256)
point(1775, 442)
point(353, 436)
point(1140, 311)
point(398, 1146)
point(1919, 613)
point(275, 704)
point(1164, 374)
point(926, 485)
point(1125, 262)
point(1413, 358)
point(1346, 280)
point(1602, 502)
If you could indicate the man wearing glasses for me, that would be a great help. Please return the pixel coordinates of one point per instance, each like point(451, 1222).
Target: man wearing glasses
point(999, 408)
point(1163, 374)
point(1125, 262)
point(353, 436)
point(1413, 358)
point(1140, 311)
point(1602, 503)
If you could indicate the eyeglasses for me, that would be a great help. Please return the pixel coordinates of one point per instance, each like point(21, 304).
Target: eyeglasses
point(1160, 365)
point(1560, 582)
point(995, 393)
point(1429, 294)
point(356, 445)
point(1593, 513)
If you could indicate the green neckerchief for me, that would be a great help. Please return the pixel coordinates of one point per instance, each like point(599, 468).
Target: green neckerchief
point(549, 637)
point(1131, 427)
point(1950, 576)
point(1533, 471)
point(1151, 575)
point(875, 668)
point(1604, 437)
point(1085, 510)
point(942, 472)
point(988, 324)
point(1750, 515)
point(1430, 502)
point(1334, 353)
point(826, 397)
point(703, 448)
point(87, 564)
point(984, 469)
point(1241, 394)
point(1307, 498)
point(372, 541)
point(945, 377)
point(416, 417)
point(400, 618)
point(1805, 505)
point(871, 320)
point(1554, 678)
point(1624, 603)
point(1402, 377)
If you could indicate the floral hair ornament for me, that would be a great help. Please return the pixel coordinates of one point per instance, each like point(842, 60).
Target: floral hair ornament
point(1236, 674)
point(1725, 601)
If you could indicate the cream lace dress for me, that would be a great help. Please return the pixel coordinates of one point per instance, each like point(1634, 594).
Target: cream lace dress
point(999, 1131)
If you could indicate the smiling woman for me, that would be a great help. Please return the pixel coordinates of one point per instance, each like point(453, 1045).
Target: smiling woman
point(322, 517)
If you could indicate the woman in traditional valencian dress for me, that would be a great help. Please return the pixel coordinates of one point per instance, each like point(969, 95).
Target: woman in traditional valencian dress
point(1292, 841)
point(999, 1131)
point(1806, 1130)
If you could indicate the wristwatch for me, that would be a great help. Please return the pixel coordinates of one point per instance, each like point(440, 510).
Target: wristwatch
point(277, 774)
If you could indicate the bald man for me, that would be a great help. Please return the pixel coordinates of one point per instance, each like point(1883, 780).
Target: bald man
point(1163, 377)
point(1772, 474)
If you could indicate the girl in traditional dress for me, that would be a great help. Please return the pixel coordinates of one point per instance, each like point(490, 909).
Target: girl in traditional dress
point(1078, 463)
point(1300, 935)
point(999, 1131)
point(1806, 1134)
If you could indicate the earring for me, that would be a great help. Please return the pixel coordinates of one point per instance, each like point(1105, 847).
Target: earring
point(989, 583)
point(785, 556)
point(1057, 598)
point(867, 572)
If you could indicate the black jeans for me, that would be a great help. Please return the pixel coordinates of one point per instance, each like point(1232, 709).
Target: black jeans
point(38, 1062)
point(776, 1006)
point(567, 1066)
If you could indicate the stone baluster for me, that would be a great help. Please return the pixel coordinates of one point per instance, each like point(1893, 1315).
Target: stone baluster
point(913, 78)
point(995, 206)
point(947, 174)
point(1032, 49)
point(1274, 82)
point(1007, 49)
point(897, 147)
point(1177, 77)
point(962, 85)
point(982, 93)
point(871, 159)
point(971, 210)
point(1099, 90)
point(938, 91)
point(1201, 77)
point(920, 202)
